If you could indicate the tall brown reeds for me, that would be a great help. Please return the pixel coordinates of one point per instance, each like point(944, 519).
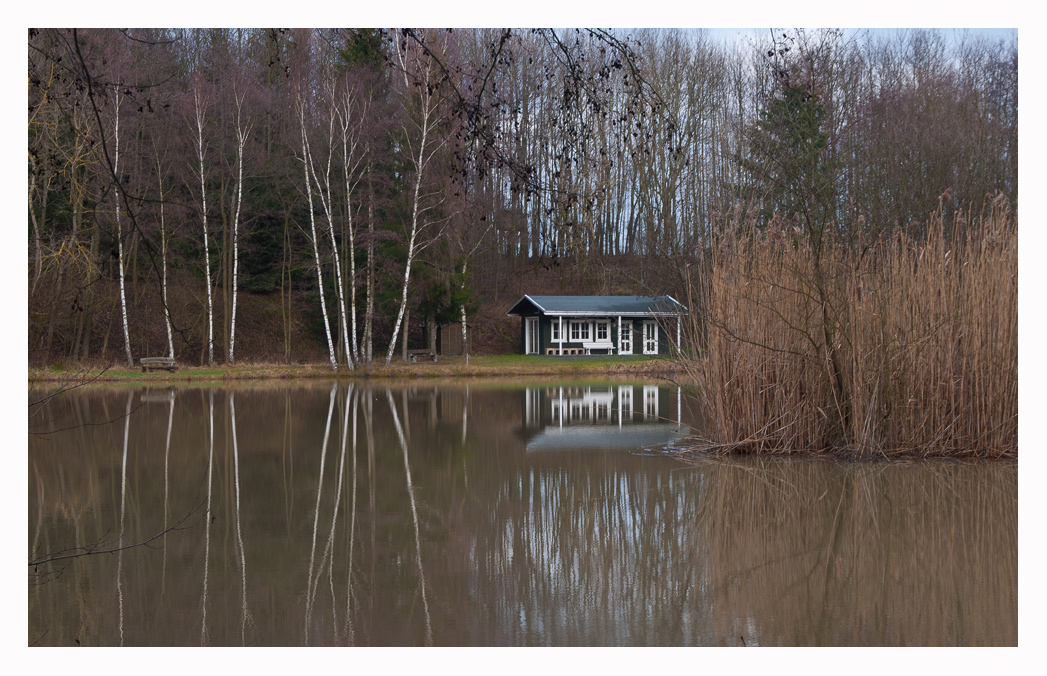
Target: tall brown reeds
point(898, 345)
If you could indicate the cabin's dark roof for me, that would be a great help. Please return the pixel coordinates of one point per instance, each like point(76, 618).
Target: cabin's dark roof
point(600, 305)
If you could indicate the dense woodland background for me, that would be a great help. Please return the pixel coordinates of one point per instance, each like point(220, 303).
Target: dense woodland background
point(307, 194)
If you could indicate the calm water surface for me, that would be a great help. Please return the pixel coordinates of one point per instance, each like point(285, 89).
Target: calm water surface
point(491, 515)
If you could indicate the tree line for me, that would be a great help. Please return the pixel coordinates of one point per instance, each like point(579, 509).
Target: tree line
point(358, 176)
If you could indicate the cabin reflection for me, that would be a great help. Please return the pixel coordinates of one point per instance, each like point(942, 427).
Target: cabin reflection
point(601, 417)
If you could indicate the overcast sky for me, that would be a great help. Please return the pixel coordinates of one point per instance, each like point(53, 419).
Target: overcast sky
point(728, 34)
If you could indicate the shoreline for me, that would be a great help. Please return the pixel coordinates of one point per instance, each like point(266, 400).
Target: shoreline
point(502, 366)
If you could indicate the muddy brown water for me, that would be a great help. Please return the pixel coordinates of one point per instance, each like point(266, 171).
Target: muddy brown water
point(490, 515)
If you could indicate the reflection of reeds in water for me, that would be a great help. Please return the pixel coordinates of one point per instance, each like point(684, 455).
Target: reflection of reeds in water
point(900, 345)
point(820, 553)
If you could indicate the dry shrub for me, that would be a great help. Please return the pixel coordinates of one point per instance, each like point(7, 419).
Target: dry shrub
point(898, 345)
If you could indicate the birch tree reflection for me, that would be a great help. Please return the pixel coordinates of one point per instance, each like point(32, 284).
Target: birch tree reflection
point(208, 518)
point(414, 514)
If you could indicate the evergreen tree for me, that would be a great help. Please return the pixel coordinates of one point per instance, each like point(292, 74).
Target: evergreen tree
point(789, 145)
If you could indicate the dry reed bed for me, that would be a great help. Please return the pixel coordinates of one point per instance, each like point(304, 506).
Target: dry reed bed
point(897, 346)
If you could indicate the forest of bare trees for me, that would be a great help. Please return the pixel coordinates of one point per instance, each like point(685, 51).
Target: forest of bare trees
point(221, 195)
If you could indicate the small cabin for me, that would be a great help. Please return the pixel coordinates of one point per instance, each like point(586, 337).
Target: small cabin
point(575, 325)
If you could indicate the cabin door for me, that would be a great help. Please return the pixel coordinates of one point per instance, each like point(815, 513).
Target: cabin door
point(650, 337)
point(531, 337)
point(625, 338)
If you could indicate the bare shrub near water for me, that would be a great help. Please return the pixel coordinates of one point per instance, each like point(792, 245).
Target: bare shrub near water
point(899, 345)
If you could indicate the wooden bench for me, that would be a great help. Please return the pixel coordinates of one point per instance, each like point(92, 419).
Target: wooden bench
point(151, 363)
point(412, 355)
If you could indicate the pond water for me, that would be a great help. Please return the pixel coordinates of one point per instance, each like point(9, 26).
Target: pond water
point(490, 515)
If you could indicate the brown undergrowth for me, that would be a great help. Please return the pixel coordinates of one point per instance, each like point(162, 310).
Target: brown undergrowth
point(902, 345)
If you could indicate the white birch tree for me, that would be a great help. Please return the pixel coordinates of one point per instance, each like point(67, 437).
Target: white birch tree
point(119, 229)
point(351, 109)
point(368, 338)
point(306, 162)
point(326, 194)
point(200, 109)
point(416, 64)
point(163, 256)
point(243, 130)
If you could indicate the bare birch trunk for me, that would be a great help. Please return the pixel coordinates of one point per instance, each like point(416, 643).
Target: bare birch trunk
point(312, 225)
point(119, 232)
point(350, 163)
point(465, 333)
point(241, 140)
point(323, 189)
point(163, 263)
point(207, 245)
point(461, 308)
point(369, 311)
point(351, 253)
point(403, 336)
point(427, 113)
point(403, 294)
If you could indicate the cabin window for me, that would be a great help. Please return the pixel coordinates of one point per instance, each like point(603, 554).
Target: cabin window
point(556, 330)
point(602, 332)
point(579, 331)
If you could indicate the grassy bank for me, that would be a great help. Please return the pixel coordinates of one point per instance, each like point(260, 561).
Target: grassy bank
point(508, 366)
point(902, 345)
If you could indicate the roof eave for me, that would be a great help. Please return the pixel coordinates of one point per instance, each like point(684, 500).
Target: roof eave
point(610, 313)
point(530, 300)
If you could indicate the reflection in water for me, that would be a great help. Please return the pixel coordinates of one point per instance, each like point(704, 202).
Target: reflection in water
point(123, 503)
point(493, 543)
point(309, 592)
point(239, 534)
point(414, 514)
point(595, 417)
point(208, 518)
point(350, 638)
